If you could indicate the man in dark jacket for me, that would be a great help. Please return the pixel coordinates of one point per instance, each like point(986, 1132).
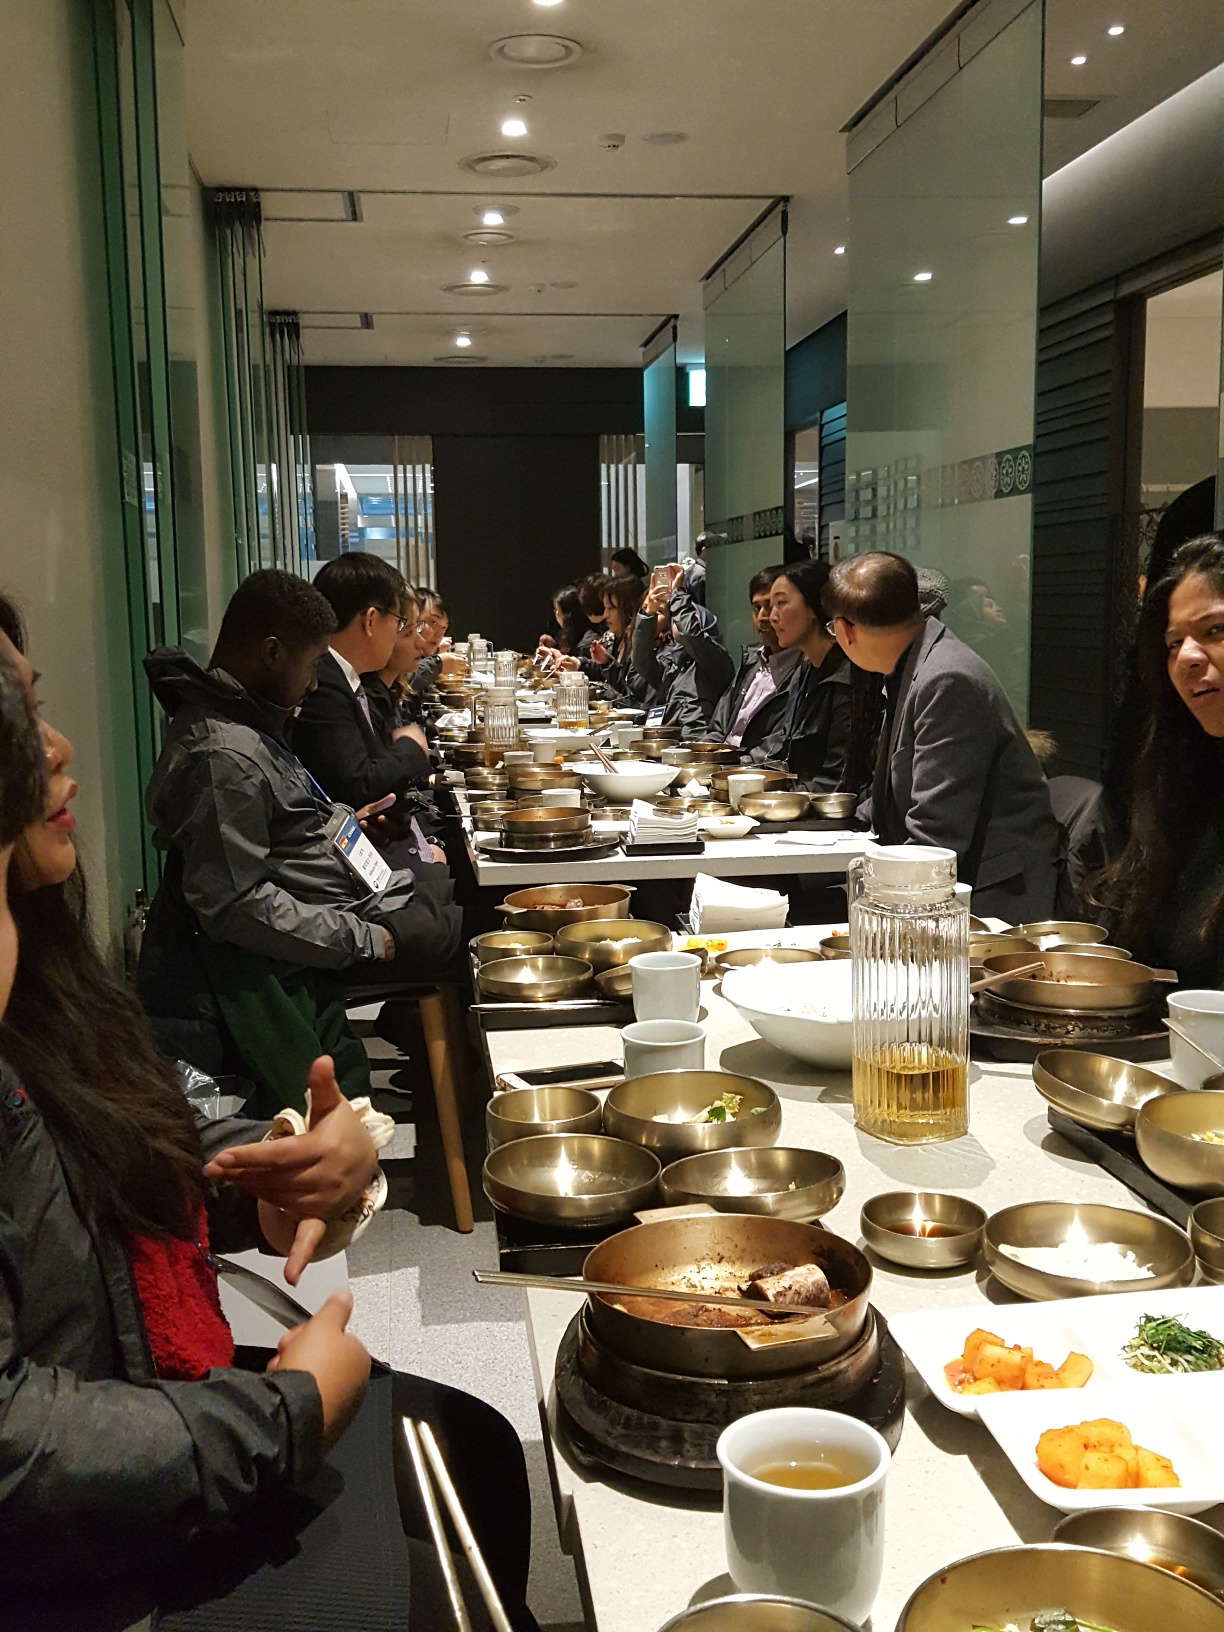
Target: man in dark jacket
point(676, 650)
point(954, 767)
point(753, 709)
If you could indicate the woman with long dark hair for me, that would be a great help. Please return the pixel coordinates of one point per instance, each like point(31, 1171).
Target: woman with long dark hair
point(1166, 888)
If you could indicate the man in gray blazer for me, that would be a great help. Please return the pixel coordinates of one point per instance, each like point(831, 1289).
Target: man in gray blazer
point(954, 767)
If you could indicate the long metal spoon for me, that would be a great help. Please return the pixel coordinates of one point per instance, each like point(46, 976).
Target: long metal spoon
point(560, 1283)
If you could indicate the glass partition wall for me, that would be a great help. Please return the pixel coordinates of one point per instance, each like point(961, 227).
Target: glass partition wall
point(745, 443)
point(659, 413)
point(945, 194)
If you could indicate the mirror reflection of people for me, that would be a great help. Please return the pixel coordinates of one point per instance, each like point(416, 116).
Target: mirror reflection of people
point(751, 713)
point(815, 734)
point(629, 564)
point(676, 651)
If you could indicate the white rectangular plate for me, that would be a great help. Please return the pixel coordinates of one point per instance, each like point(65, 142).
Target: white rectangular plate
point(1170, 1420)
point(1097, 1327)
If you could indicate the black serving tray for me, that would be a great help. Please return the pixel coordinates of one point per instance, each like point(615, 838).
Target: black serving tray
point(1117, 1154)
point(692, 847)
point(548, 1249)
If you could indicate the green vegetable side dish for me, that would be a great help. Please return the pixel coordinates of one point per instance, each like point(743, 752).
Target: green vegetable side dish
point(1049, 1620)
point(1163, 1346)
point(724, 1109)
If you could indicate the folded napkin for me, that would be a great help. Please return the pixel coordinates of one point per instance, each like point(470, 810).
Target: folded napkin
point(647, 826)
point(720, 907)
point(456, 719)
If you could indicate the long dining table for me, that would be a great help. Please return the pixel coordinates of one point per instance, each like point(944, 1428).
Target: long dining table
point(642, 1556)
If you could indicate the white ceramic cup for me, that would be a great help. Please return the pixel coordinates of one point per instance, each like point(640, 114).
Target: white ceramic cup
point(742, 782)
point(825, 1546)
point(663, 1045)
point(666, 985)
point(1200, 1014)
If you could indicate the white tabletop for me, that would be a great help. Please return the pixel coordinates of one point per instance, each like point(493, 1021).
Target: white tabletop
point(950, 1491)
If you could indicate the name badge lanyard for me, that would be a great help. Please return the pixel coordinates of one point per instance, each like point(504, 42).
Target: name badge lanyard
point(348, 841)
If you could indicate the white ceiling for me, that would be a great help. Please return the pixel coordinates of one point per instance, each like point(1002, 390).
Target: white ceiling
point(384, 98)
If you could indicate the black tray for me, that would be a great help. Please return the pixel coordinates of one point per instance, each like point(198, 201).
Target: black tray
point(812, 824)
point(548, 1249)
point(496, 851)
point(669, 847)
point(1116, 1153)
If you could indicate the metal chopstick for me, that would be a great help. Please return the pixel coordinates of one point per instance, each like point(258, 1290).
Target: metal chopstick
point(467, 1538)
point(445, 1562)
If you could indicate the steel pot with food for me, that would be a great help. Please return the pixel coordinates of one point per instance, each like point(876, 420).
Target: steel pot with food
point(551, 906)
point(722, 1254)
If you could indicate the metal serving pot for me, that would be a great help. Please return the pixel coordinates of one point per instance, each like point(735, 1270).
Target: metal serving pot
point(717, 1253)
point(1079, 980)
point(547, 906)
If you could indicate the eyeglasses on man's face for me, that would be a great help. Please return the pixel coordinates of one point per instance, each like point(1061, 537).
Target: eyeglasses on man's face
point(830, 628)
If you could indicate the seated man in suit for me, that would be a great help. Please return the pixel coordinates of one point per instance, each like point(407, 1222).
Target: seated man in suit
point(954, 768)
point(336, 734)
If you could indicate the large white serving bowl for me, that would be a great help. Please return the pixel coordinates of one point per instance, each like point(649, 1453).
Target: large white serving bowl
point(769, 996)
point(632, 779)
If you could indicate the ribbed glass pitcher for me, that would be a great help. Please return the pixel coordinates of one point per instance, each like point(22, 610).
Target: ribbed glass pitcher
point(909, 942)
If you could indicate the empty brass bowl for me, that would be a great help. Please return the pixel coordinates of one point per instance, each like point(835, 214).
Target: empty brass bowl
point(535, 979)
point(1095, 1090)
point(776, 1180)
point(1163, 1135)
point(835, 946)
point(1011, 1584)
point(615, 984)
point(838, 806)
point(546, 822)
point(1052, 932)
point(605, 942)
point(644, 1110)
point(1170, 1541)
point(775, 807)
point(747, 957)
point(521, 1113)
point(571, 1178)
point(1207, 1237)
point(511, 943)
point(986, 946)
point(892, 1223)
point(1157, 1245)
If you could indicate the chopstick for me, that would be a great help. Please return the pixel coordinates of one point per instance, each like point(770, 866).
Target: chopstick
point(561, 1283)
point(1185, 1036)
point(1006, 974)
point(418, 1435)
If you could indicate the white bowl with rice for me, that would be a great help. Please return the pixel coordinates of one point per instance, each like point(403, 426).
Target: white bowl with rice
point(804, 1009)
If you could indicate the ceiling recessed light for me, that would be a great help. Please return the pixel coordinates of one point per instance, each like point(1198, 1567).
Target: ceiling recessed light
point(1017, 220)
point(506, 165)
point(489, 235)
point(463, 339)
point(548, 2)
point(479, 275)
point(514, 127)
point(665, 138)
point(492, 218)
point(923, 277)
point(475, 288)
point(1078, 61)
point(1116, 30)
point(840, 250)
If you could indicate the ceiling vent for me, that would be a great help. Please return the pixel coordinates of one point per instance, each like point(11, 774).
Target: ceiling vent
point(490, 235)
point(506, 165)
point(535, 50)
point(474, 288)
point(1068, 107)
point(555, 357)
point(665, 138)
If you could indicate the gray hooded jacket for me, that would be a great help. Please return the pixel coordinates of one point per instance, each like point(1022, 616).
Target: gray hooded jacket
point(259, 867)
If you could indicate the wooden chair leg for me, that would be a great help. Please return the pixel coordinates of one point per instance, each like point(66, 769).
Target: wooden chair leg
point(434, 1023)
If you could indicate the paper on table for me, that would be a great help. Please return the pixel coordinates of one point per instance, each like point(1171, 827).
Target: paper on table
point(647, 826)
point(719, 905)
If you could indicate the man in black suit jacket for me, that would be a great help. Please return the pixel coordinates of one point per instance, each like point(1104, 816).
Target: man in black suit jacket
point(954, 767)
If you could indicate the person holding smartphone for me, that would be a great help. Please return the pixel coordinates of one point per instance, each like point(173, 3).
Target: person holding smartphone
point(676, 652)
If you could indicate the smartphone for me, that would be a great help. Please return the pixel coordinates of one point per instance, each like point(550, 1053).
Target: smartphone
point(606, 1073)
point(658, 577)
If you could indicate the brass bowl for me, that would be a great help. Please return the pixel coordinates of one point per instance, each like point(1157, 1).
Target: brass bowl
point(1011, 1584)
point(835, 946)
point(605, 942)
point(615, 984)
point(1075, 980)
point(779, 1181)
point(547, 799)
point(756, 1612)
point(838, 806)
point(485, 780)
point(511, 943)
point(535, 979)
point(538, 778)
point(1163, 1130)
point(547, 906)
point(546, 822)
point(711, 807)
point(775, 807)
point(639, 1110)
point(715, 753)
point(986, 946)
point(672, 804)
point(888, 1224)
point(676, 756)
point(774, 779)
point(570, 1178)
point(1170, 1541)
point(1052, 932)
point(1095, 1090)
point(522, 1113)
point(1156, 1244)
point(1207, 1237)
point(747, 957)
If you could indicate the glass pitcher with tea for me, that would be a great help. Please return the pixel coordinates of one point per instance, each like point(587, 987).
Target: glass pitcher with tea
point(909, 946)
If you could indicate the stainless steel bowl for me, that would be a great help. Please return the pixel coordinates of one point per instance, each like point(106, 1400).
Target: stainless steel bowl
point(1164, 1130)
point(571, 1178)
point(748, 957)
point(838, 806)
point(1171, 1541)
point(892, 1225)
point(754, 1612)
point(1095, 1090)
point(511, 943)
point(779, 1181)
point(535, 980)
point(835, 946)
point(1207, 1237)
point(775, 807)
point(521, 1113)
point(605, 942)
point(643, 1110)
point(1156, 1244)
point(1052, 932)
point(1011, 1584)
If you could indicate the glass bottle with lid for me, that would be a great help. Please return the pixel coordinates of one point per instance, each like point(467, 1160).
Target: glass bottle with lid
point(501, 721)
point(909, 945)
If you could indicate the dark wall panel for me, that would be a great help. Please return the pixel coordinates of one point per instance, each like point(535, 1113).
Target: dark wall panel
point(816, 373)
point(514, 518)
point(474, 401)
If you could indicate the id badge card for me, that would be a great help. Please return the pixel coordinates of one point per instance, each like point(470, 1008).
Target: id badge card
point(654, 716)
point(360, 856)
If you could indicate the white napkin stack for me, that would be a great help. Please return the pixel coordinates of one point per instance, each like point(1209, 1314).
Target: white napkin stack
point(720, 907)
point(456, 719)
point(647, 826)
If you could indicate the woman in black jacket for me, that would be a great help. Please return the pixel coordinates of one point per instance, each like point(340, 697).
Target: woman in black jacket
point(814, 737)
point(145, 1472)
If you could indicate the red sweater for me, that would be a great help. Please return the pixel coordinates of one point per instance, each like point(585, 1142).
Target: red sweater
point(177, 1289)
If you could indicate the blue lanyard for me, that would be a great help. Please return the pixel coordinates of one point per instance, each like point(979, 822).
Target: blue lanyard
point(322, 803)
